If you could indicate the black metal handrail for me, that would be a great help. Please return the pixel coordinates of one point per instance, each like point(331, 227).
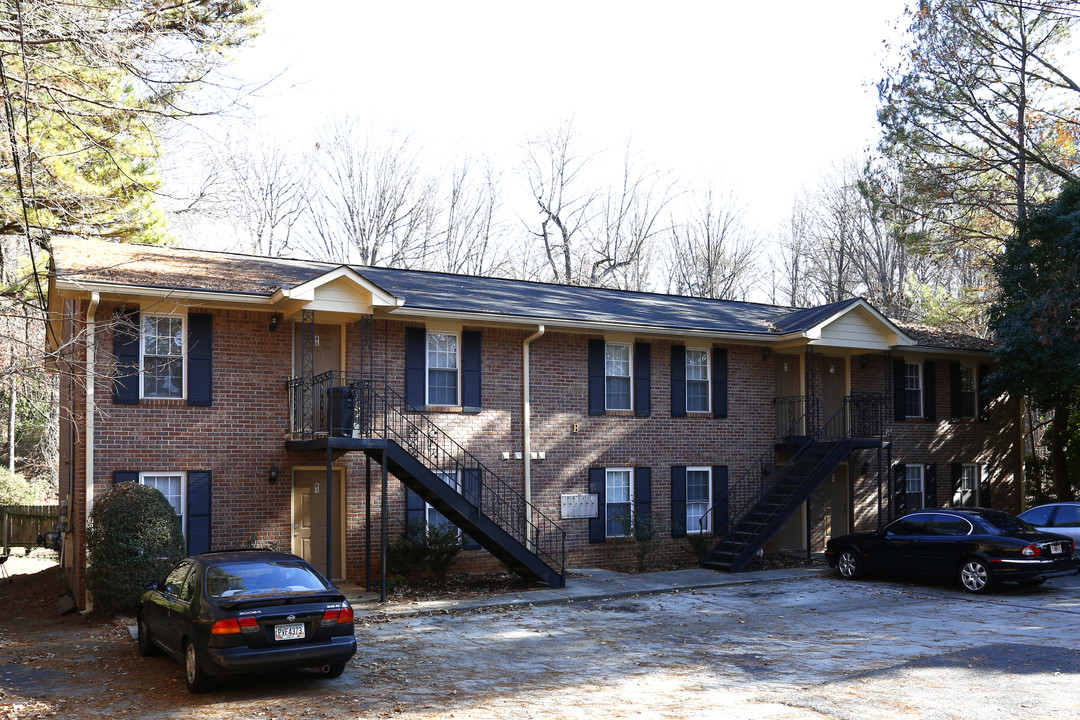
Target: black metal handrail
point(342, 405)
point(862, 415)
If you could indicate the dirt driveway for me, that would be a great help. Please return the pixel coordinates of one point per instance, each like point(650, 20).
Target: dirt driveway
point(807, 648)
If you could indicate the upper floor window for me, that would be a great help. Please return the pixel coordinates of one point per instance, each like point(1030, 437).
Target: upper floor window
point(617, 376)
point(967, 391)
point(442, 369)
point(913, 390)
point(619, 501)
point(698, 499)
point(162, 356)
point(913, 480)
point(697, 381)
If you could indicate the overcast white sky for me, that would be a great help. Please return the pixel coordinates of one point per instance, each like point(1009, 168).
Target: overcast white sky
point(761, 96)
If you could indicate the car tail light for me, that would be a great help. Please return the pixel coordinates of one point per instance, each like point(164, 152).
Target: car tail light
point(232, 626)
point(1031, 551)
point(337, 615)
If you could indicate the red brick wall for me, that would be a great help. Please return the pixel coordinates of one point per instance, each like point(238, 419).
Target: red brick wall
point(244, 432)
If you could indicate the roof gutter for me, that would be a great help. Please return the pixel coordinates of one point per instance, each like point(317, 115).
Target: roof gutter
point(527, 406)
point(91, 359)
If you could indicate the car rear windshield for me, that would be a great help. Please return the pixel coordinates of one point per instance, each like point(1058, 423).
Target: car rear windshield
point(1003, 523)
point(262, 578)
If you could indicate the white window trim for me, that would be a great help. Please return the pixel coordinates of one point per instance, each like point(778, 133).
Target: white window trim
point(922, 410)
point(607, 503)
point(630, 362)
point(697, 529)
point(708, 380)
point(183, 492)
point(143, 314)
point(922, 486)
point(428, 369)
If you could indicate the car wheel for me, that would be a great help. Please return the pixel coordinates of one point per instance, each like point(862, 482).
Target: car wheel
point(147, 648)
point(197, 680)
point(332, 670)
point(850, 565)
point(1033, 582)
point(975, 576)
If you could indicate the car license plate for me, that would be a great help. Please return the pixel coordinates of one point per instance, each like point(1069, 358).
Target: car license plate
point(1055, 549)
point(290, 631)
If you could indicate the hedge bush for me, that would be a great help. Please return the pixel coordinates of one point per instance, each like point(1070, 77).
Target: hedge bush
point(134, 536)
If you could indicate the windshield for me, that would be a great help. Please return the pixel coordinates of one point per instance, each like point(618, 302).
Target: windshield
point(1003, 523)
point(262, 578)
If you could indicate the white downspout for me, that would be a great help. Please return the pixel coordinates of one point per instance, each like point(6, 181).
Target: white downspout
point(91, 358)
point(526, 426)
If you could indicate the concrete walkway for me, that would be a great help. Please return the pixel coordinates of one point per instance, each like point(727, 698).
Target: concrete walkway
point(588, 584)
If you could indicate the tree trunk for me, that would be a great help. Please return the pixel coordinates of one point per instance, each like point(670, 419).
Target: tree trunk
point(1062, 486)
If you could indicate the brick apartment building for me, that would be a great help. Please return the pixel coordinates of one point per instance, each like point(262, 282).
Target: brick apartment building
point(319, 407)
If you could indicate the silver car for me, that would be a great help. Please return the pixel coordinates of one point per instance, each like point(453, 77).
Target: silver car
point(1062, 518)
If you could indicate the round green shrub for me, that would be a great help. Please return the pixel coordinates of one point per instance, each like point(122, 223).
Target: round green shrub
point(134, 536)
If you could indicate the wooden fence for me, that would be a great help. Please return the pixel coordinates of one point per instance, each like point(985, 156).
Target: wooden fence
point(23, 523)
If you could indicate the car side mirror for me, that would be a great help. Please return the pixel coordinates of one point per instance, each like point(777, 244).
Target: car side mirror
point(152, 585)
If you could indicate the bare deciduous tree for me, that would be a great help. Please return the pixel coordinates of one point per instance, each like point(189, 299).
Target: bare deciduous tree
point(374, 206)
point(714, 253)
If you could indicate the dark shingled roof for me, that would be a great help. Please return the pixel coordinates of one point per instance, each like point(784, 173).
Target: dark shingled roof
point(927, 336)
point(175, 268)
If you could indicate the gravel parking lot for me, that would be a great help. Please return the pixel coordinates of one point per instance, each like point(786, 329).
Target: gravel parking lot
point(813, 647)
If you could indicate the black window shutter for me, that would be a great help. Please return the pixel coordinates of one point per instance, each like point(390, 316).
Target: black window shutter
point(957, 472)
point(598, 487)
point(415, 508)
point(982, 394)
point(955, 400)
point(126, 352)
point(899, 395)
point(929, 390)
point(678, 501)
point(720, 500)
point(983, 478)
point(120, 476)
point(930, 486)
point(597, 396)
point(643, 519)
point(470, 488)
point(719, 382)
point(199, 498)
point(416, 367)
point(642, 379)
point(200, 359)
point(470, 370)
point(899, 490)
point(678, 385)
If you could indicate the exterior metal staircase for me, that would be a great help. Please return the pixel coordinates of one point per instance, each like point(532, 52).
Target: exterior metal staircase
point(766, 496)
point(367, 415)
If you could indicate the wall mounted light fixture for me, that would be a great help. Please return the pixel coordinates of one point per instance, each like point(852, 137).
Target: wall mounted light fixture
point(274, 320)
point(765, 353)
point(272, 476)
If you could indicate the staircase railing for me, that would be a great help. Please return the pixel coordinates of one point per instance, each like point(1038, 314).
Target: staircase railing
point(343, 405)
point(860, 416)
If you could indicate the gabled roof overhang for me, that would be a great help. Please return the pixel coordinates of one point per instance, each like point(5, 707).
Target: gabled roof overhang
point(855, 329)
point(339, 295)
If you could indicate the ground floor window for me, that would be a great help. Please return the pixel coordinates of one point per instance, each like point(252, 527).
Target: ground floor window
point(966, 492)
point(171, 486)
point(619, 501)
point(434, 518)
point(698, 499)
point(913, 497)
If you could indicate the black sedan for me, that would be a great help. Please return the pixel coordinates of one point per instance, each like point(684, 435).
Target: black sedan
point(242, 611)
point(978, 547)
